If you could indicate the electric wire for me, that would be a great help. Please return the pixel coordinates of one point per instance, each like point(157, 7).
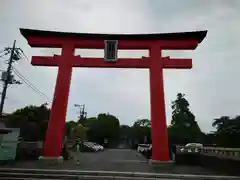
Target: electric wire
point(33, 87)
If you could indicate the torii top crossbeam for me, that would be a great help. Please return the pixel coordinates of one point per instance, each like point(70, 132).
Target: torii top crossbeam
point(167, 41)
point(196, 36)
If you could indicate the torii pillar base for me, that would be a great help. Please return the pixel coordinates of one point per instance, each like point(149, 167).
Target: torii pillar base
point(161, 164)
point(50, 160)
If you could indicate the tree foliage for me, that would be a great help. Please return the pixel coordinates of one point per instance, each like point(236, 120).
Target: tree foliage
point(143, 123)
point(104, 126)
point(125, 132)
point(78, 132)
point(68, 127)
point(183, 129)
point(227, 132)
point(141, 131)
point(32, 121)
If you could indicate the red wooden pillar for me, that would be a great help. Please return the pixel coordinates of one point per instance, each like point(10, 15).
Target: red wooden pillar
point(56, 124)
point(158, 117)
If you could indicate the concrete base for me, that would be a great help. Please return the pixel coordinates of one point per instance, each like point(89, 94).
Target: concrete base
point(50, 160)
point(155, 163)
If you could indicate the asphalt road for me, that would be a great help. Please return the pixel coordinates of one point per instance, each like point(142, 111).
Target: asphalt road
point(125, 160)
point(121, 160)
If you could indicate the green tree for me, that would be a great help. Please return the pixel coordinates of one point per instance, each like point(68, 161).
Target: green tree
point(105, 126)
point(209, 139)
point(183, 129)
point(68, 127)
point(227, 131)
point(141, 131)
point(78, 132)
point(143, 123)
point(125, 131)
point(32, 121)
point(95, 132)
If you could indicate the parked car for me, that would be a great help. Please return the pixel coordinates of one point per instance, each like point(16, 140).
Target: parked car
point(191, 147)
point(145, 150)
point(99, 147)
point(143, 147)
point(92, 147)
point(88, 147)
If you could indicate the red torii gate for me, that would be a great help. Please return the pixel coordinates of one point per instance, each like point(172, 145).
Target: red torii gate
point(155, 43)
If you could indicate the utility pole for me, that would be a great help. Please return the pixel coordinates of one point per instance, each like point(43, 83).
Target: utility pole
point(7, 78)
point(82, 113)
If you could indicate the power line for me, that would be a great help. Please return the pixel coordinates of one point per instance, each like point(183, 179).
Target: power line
point(34, 88)
point(24, 54)
point(3, 51)
point(7, 77)
point(4, 54)
point(25, 80)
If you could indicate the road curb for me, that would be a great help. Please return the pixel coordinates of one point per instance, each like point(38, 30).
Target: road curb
point(114, 174)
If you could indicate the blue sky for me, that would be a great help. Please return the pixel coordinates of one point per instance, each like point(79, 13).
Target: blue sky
point(211, 86)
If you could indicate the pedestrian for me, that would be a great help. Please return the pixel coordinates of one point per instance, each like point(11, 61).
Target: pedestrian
point(174, 152)
point(77, 153)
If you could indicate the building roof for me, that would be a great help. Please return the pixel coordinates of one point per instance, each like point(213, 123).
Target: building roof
point(194, 35)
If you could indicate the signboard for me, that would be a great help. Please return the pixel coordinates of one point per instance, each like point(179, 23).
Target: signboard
point(8, 144)
point(110, 50)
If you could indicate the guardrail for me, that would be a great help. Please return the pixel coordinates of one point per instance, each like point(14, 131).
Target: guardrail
point(215, 151)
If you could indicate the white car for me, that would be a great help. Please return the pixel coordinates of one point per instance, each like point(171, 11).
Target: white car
point(144, 147)
point(190, 147)
point(100, 147)
point(96, 147)
point(90, 146)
